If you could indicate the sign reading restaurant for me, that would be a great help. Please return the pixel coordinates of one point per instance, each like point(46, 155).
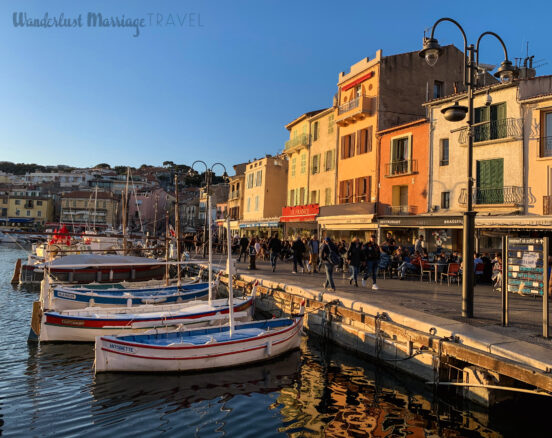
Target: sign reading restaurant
point(422, 221)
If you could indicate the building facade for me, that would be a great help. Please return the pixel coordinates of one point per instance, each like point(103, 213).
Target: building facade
point(90, 209)
point(26, 211)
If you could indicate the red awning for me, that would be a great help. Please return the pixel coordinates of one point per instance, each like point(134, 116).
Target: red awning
point(358, 81)
point(300, 213)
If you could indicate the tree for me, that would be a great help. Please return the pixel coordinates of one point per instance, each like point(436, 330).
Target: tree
point(102, 166)
point(168, 163)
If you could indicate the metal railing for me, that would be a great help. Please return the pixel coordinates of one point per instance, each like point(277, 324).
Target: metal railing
point(300, 140)
point(545, 148)
point(401, 210)
point(362, 101)
point(234, 195)
point(547, 205)
point(498, 195)
point(493, 130)
point(401, 167)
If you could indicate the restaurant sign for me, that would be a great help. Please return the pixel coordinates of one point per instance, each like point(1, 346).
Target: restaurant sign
point(300, 213)
point(421, 221)
point(525, 266)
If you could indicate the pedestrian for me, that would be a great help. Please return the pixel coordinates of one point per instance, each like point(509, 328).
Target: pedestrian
point(252, 254)
point(419, 244)
point(354, 258)
point(306, 254)
point(275, 247)
point(314, 247)
point(330, 258)
point(244, 243)
point(371, 252)
point(298, 249)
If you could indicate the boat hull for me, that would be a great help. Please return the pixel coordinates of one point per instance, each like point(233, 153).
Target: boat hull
point(113, 354)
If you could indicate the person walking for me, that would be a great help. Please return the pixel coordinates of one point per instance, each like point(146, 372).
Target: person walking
point(371, 252)
point(419, 244)
point(275, 247)
point(330, 258)
point(252, 254)
point(354, 258)
point(314, 247)
point(298, 249)
point(244, 243)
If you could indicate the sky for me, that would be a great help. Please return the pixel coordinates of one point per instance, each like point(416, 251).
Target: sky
point(212, 80)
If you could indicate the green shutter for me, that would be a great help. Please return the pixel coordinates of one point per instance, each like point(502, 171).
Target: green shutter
point(490, 181)
point(482, 132)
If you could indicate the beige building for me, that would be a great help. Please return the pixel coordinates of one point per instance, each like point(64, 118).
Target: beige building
point(265, 194)
point(235, 203)
point(29, 211)
point(90, 209)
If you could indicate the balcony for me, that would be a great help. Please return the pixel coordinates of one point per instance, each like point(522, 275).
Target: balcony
point(511, 195)
point(302, 140)
point(401, 210)
point(398, 168)
point(547, 205)
point(494, 130)
point(545, 147)
point(356, 109)
point(234, 195)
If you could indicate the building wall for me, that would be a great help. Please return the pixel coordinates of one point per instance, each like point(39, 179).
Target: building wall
point(236, 195)
point(324, 179)
point(81, 210)
point(271, 193)
point(452, 177)
point(415, 178)
point(41, 210)
point(298, 175)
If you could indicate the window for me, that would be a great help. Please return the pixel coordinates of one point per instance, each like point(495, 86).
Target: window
point(5, 201)
point(248, 204)
point(331, 123)
point(302, 199)
point(17, 212)
point(346, 191)
point(445, 199)
point(257, 203)
point(259, 178)
point(314, 197)
point(438, 89)
point(328, 196)
point(329, 161)
point(315, 131)
point(546, 135)
point(293, 164)
point(400, 156)
point(250, 180)
point(490, 122)
point(4, 212)
point(444, 152)
point(291, 202)
point(303, 164)
point(358, 91)
point(364, 140)
point(38, 202)
point(347, 146)
point(363, 188)
point(17, 202)
point(74, 203)
point(28, 212)
point(490, 180)
point(315, 166)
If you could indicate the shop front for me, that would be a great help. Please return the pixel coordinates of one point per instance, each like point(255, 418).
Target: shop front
point(346, 221)
point(441, 233)
point(300, 220)
point(261, 228)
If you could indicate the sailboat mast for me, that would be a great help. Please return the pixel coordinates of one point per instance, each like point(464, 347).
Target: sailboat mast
point(95, 207)
point(177, 225)
point(125, 214)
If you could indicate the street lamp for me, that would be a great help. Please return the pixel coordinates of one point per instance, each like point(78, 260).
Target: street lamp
point(455, 113)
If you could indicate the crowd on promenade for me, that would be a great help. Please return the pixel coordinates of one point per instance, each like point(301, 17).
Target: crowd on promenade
point(363, 260)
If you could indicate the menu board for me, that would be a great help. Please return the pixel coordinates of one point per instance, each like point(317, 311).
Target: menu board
point(525, 266)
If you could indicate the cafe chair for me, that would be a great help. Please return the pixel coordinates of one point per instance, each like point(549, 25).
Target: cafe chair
point(453, 273)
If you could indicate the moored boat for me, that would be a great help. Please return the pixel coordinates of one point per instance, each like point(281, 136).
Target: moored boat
point(85, 324)
point(199, 349)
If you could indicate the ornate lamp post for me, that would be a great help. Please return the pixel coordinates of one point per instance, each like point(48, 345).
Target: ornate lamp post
point(455, 113)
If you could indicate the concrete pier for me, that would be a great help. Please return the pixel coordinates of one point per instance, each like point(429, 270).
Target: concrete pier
point(416, 327)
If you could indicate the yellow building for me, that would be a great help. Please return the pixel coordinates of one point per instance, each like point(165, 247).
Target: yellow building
point(236, 185)
point(264, 195)
point(27, 211)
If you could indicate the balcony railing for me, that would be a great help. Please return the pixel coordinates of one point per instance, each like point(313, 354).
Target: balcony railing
point(234, 195)
point(355, 109)
point(300, 140)
point(496, 129)
point(404, 167)
point(499, 195)
point(401, 210)
point(547, 205)
point(545, 146)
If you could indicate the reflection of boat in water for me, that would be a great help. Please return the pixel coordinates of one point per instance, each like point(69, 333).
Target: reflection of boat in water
point(182, 390)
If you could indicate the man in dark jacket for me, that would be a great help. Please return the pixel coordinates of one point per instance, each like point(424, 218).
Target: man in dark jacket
point(329, 249)
point(354, 258)
point(298, 248)
point(275, 247)
point(371, 252)
point(244, 243)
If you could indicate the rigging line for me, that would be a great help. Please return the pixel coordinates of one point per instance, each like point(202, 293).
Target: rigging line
point(136, 201)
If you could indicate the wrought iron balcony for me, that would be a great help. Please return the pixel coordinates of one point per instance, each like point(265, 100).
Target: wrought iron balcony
point(547, 205)
point(396, 168)
point(401, 210)
point(493, 130)
point(300, 140)
point(545, 146)
point(355, 109)
point(499, 195)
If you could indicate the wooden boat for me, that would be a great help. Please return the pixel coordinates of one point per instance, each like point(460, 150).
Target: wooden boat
point(63, 298)
point(199, 349)
point(85, 324)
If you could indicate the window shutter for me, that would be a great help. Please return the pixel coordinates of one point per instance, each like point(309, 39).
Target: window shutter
point(352, 137)
point(369, 139)
point(359, 141)
point(369, 189)
point(343, 147)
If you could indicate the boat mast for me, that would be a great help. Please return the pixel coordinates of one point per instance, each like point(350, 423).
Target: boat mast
point(230, 279)
point(167, 247)
point(210, 249)
point(95, 206)
point(125, 214)
point(177, 226)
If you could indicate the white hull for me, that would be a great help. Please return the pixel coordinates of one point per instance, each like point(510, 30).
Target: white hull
point(113, 354)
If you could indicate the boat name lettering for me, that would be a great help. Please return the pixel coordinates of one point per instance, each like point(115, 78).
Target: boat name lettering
point(66, 295)
point(72, 322)
point(123, 348)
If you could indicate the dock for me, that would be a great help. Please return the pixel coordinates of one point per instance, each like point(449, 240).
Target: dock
point(416, 327)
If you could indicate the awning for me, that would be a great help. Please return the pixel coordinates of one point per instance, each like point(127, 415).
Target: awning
point(527, 222)
point(421, 221)
point(20, 220)
point(353, 222)
point(260, 225)
point(300, 213)
point(357, 81)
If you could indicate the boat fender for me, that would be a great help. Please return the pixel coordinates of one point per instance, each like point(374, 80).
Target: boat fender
point(129, 302)
point(269, 348)
point(211, 341)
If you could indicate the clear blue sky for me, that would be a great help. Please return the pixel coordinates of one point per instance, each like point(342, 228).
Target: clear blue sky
point(219, 92)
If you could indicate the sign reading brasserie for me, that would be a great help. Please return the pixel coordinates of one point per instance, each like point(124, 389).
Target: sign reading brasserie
point(525, 266)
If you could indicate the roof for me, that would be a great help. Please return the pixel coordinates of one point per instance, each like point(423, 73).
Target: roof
point(81, 194)
point(463, 94)
point(303, 117)
point(402, 126)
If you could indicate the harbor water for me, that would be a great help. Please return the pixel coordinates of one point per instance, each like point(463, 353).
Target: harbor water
point(320, 390)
